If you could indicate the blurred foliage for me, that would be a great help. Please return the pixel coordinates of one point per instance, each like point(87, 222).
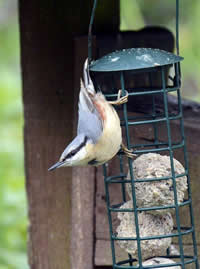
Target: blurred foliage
point(136, 14)
point(13, 220)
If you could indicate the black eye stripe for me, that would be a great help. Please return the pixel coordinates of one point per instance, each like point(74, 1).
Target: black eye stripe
point(74, 151)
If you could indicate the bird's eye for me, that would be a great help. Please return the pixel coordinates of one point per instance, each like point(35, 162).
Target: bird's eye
point(70, 154)
point(74, 151)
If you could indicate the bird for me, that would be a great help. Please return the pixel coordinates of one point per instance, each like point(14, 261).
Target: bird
point(99, 134)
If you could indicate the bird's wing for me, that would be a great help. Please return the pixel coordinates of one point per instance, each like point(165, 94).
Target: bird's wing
point(89, 120)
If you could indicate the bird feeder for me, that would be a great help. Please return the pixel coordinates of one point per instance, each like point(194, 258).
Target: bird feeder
point(154, 186)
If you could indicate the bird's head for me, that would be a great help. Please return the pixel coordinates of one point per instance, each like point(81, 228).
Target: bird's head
point(75, 153)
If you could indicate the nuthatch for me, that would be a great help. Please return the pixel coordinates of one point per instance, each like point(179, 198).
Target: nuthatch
point(99, 134)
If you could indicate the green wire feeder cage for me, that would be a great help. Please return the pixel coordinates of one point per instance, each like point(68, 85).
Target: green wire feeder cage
point(154, 186)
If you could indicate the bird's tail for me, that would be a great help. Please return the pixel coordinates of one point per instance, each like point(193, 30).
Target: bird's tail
point(85, 102)
point(87, 79)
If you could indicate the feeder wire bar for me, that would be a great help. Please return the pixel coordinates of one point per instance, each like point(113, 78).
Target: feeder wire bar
point(172, 170)
point(90, 32)
point(131, 171)
point(186, 167)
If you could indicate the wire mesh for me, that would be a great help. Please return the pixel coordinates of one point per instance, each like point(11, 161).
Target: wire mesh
point(168, 146)
point(157, 118)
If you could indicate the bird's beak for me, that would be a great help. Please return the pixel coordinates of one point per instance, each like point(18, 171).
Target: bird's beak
point(56, 165)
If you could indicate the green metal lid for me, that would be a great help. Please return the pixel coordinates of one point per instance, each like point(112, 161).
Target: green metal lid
point(134, 58)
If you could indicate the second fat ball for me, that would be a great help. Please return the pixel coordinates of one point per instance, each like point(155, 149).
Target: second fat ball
point(149, 225)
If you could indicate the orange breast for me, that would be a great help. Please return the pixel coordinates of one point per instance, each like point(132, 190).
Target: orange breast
point(101, 109)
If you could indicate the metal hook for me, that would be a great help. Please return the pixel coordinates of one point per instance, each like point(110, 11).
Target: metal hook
point(90, 32)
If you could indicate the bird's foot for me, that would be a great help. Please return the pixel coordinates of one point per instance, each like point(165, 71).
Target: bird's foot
point(127, 152)
point(120, 100)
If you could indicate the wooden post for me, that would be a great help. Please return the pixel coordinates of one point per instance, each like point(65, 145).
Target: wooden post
point(48, 112)
point(47, 30)
point(83, 185)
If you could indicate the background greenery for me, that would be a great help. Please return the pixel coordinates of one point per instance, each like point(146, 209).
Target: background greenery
point(13, 221)
point(134, 14)
point(138, 13)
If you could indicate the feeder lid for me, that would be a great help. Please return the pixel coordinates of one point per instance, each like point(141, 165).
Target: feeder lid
point(134, 58)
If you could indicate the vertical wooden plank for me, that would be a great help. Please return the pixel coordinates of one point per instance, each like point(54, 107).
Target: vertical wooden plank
point(83, 184)
point(48, 112)
point(47, 29)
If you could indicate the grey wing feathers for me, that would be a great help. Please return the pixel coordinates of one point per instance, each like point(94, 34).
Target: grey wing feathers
point(89, 122)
